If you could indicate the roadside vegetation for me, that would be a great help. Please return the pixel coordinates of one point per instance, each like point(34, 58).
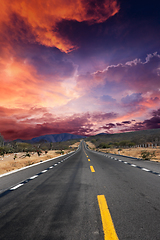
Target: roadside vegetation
point(15, 155)
point(16, 147)
point(146, 155)
point(141, 144)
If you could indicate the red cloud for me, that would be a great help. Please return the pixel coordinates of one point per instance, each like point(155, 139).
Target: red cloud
point(18, 123)
point(40, 18)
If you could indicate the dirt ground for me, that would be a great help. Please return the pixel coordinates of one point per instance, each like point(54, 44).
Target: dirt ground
point(7, 163)
point(135, 152)
point(91, 145)
point(75, 145)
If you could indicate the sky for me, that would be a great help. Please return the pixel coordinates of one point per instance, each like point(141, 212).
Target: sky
point(78, 66)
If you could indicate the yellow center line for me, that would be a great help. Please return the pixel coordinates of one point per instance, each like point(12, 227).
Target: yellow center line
point(108, 226)
point(92, 169)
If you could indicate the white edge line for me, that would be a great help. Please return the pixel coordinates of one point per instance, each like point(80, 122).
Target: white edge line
point(145, 169)
point(17, 170)
point(33, 177)
point(133, 165)
point(17, 186)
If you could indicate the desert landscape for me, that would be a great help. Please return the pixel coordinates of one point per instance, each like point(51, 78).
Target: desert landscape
point(9, 162)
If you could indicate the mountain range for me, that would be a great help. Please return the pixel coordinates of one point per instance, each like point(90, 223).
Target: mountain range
point(52, 138)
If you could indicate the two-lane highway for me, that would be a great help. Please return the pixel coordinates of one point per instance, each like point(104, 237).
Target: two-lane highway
point(82, 196)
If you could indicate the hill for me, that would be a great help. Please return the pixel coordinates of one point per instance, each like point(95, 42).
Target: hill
point(137, 137)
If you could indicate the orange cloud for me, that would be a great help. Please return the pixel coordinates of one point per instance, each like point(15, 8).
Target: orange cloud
point(22, 86)
point(41, 17)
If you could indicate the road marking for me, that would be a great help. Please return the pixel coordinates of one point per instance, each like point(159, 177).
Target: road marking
point(92, 169)
point(133, 165)
point(17, 186)
point(89, 160)
point(44, 171)
point(145, 169)
point(33, 177)
point(108, 226)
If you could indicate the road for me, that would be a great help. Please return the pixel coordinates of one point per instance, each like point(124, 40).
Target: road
point(85, 195)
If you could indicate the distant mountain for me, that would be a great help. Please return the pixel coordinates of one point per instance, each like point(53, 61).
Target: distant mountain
point(52, 138)
point(100, 134)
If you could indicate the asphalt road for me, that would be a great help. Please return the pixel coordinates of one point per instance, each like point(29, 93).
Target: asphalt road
point(60, 201)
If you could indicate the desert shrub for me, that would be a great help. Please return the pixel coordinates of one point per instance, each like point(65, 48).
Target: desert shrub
point(147, 155)
point(28, 155)
point(126, 143)
point(39, 152)
point(60, 152)
point(2, 151)
point(103, 145)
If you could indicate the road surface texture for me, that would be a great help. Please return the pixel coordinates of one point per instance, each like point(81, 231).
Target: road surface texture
point(83, 195)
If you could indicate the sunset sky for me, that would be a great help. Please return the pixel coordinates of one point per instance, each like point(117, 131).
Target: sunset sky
point(78, 66)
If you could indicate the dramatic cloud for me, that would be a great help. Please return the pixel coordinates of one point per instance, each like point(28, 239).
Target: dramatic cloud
point(24, 84)
point(151, 123)
point(109, 126)
point(111, 78)
point(39, 121)
point(136, 75)
point(37, 20)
